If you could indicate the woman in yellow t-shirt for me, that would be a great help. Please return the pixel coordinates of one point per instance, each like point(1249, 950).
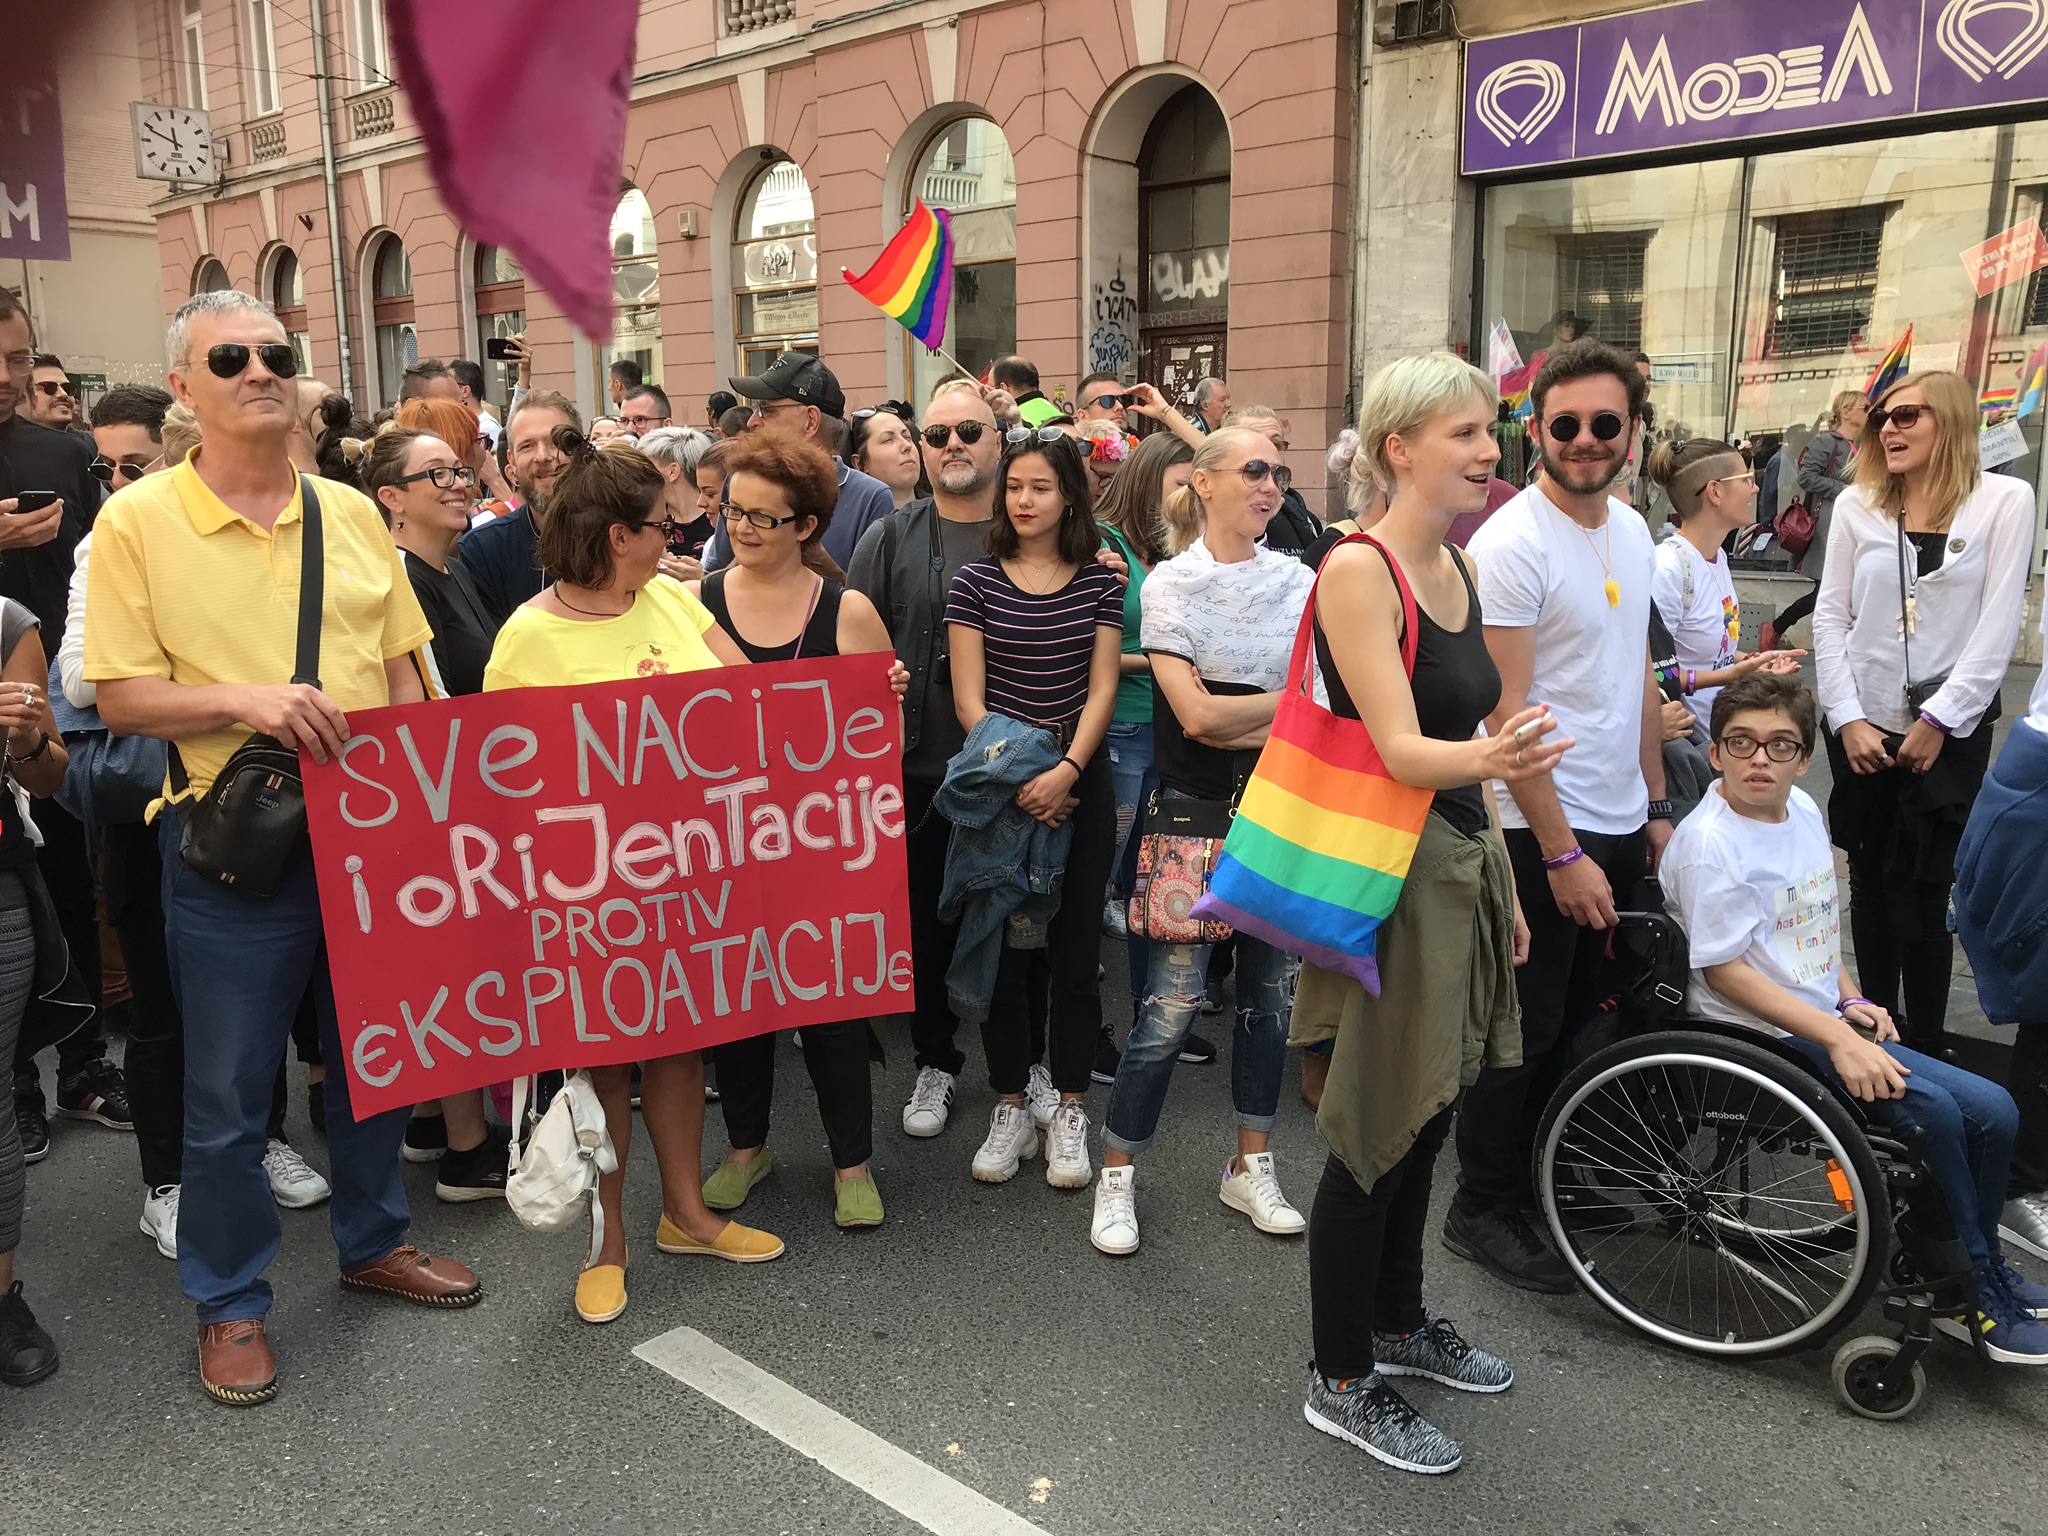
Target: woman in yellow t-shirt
point(607, 616)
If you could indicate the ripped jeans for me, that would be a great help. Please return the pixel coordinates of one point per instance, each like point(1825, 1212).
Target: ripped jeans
point(1258, 1046)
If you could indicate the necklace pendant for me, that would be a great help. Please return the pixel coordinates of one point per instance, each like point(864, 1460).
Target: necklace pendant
point(1613, 593)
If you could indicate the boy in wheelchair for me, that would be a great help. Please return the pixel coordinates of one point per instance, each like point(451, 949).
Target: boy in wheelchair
point(1750, 877)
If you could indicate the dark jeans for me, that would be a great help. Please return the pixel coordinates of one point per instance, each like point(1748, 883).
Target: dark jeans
point(65, 863)
point(1560, 991)
point(1073, 952)
point(837, 1058)
point(2028, 1085)
point(133, 869)
point(242, 968)
point(1365, 1254)
point(932, 1025)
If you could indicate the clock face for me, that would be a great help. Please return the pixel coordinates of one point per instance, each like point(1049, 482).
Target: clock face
point(172, 143)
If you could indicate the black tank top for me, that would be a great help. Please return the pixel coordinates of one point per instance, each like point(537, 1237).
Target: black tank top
point(1456, 686)
point(820, 636)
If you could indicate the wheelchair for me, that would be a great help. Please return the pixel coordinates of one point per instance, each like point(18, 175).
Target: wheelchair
point(1709, 1189)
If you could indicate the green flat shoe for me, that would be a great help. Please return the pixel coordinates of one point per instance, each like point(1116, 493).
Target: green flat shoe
point(860, 1203)
point(727, 1188)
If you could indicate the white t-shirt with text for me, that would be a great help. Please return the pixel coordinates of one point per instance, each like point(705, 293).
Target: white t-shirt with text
point(1539, 569)
point(1707, 627)
point(1758, 891)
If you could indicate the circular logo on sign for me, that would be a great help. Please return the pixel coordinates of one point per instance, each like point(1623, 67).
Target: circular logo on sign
point(1955, 546)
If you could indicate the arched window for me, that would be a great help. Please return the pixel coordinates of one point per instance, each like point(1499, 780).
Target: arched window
point(288, 298)
point(966, 170)
point(636, 290)
point(398, 343)
point(500, 311)
point(775, 267)
point(211, 277)
point(1184, 237)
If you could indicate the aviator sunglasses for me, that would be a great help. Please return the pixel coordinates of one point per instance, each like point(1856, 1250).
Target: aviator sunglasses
point(231, 358)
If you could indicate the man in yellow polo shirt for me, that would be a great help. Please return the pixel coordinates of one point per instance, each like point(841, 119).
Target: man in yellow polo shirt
point(192, 604)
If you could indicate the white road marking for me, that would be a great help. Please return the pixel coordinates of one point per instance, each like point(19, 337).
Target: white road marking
point(883, 1471)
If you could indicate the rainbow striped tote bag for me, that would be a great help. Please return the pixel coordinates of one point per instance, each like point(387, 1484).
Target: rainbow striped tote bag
point(1323, 835)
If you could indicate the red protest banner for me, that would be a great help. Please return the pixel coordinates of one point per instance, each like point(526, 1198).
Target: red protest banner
point(2006, 258)
point(557, 877)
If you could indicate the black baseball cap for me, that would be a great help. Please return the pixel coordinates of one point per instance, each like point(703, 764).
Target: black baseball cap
point(794, 376)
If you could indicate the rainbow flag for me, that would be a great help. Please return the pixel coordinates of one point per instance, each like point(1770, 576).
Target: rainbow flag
point(912, 280)
point(1997, 398)
point(1514, 386)
point(2033, 383)
point(1892, 367)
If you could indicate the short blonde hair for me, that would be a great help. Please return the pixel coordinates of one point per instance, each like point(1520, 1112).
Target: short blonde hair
point(1844, 399)
point(950, 383)
point(1401, 398)
point(181, 434)
point(1956, 468)
point(1183, 513)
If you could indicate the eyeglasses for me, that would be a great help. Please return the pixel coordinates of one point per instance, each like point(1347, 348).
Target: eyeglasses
point(105, 470)
point(230, 358)
point(1747, 474)
point(52, 387)
point(764, 407)
point(762, 520)
point(1904, 417)
point(1257, 470)
point(1018, 435)
point(1565, 429)
point(969, 432)
point(644, 423)
point(668, 528)
point(1780, 749)
point(1104, 402)
point(444, 476)
point(897, 408)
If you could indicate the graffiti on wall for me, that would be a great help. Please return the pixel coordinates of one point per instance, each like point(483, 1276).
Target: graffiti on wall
point(1114, 341)
point(1200, 278)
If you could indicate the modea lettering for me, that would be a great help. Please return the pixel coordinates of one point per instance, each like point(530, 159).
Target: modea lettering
point(1755, 82)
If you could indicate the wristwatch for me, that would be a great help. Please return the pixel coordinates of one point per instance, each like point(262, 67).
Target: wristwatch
point(1660, 810)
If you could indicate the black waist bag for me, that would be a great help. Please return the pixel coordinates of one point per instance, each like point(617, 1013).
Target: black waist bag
point(243, 831)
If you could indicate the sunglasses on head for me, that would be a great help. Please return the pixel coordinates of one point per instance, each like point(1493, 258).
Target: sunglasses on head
point(969, 432)
point(897, 408)
point(106, 470)
point(1565, 429)
point(231, 358)
point(1904, 417)
point(1018, 435)
point(52, 388)
point(1256, 470)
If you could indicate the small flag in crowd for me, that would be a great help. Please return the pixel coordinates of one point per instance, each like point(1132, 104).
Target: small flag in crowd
point(1503, 357)
point(912, 280)
point(1514, 386)
point(1892, 367)
point(2033, 383)
point(1997, 397)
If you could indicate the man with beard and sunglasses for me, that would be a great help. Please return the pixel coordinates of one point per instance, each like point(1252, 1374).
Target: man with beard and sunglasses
point(193, 640)
point(1564, 580)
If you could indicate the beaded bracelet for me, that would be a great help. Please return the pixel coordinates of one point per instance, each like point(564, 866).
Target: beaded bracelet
point(1571, 857)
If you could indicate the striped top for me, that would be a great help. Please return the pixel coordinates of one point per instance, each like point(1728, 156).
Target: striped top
point(1038, 649)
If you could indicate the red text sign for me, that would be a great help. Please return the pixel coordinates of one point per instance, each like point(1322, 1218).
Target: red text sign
point(2006, 258)
point(557, 877)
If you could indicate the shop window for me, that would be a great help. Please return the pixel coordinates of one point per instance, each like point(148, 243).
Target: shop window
point(966, 170)
point(636, 290)
point(775, 267)
point(398, 342)
point(1600, 286)
point(288, 298)
point(1824, 280)
point(211, 277)
point(500, 311)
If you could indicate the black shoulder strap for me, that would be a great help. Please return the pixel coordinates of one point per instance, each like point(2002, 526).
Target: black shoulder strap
point(312, 587)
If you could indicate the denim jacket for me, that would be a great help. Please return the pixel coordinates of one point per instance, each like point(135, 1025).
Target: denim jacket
point(1003, 865)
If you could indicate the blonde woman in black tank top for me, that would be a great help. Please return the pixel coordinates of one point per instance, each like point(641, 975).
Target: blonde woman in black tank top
point(779, 502)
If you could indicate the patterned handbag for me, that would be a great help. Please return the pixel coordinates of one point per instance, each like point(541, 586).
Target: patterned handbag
point(1323, 837)
point(1175, 857)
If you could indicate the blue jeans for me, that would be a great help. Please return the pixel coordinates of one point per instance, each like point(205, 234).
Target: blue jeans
point(1258, 1047)
point(1130, 768)
point(240, 967)
point(1970, 1122)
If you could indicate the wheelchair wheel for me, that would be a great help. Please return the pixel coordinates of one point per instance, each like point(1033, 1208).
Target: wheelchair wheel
point(1858, 1365)
point(1712, 1195)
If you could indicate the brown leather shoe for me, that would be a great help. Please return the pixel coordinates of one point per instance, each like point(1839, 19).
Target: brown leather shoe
point(235, 1363)
point(419, 1277)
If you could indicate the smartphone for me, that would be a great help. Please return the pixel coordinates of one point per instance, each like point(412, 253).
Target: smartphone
point(498, 348)
point(34, 501)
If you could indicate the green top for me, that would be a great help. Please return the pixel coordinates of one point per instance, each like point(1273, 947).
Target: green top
point(1134, 689)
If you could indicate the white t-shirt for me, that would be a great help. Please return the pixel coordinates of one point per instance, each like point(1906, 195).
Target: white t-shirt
point(2037, 711)
point(1231, 623)
point(1757, 891)
point(1538, 568)
point(1705, 629)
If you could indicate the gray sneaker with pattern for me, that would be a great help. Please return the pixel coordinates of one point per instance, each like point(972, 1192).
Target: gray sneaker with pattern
point(1435, 1350)
point(1377, 1419)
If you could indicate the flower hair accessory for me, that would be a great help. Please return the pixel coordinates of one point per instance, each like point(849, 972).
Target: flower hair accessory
point(1110, 450)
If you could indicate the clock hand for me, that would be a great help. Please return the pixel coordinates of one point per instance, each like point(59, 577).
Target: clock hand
point(170, 139)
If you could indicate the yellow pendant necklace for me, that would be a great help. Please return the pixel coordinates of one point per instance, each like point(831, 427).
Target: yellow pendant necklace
point(1606, 560)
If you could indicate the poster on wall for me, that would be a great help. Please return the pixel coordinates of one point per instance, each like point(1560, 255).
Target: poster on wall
point(560, 877)
point(35, 223)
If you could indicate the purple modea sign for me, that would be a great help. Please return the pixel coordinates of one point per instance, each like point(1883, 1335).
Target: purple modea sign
point(33, 219)
point(1716, 70)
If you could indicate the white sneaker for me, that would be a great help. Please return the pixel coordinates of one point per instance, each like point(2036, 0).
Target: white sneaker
point(1066, 1158)
point(1257, 1193)
point(1115, 1228)
point(1012, 1138)
point(1043, 1098)
point(160, 1218)
point(293, 1181)
point(931, 1101)
point(1116, 922)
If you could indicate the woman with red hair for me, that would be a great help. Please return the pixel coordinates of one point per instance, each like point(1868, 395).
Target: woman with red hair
point(456, 425)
